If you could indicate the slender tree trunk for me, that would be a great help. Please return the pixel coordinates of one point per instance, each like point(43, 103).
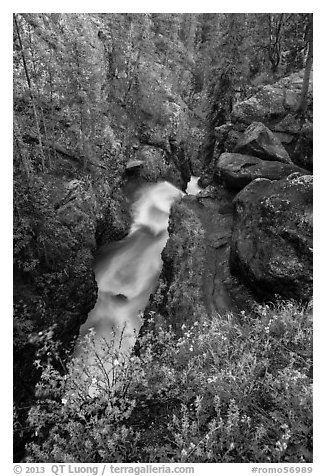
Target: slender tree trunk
point(28, 79)
point(51, 83)
point(275, 42)
point(38, 91)
point(305, 85)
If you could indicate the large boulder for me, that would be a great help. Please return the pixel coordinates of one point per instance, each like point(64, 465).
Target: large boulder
point(156, 165)
point(266, 102)
point(238, 170)
point(271, 245)
point(297, 132)
point(259, 141)
point(272, 100)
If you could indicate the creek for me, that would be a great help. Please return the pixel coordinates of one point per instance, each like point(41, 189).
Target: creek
point(127, 271)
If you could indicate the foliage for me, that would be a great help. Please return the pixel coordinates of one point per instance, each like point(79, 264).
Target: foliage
point(222, 392)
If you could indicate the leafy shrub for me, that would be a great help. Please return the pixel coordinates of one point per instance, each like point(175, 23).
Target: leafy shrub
point(222, 392)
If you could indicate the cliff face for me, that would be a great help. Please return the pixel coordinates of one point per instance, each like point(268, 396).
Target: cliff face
point(90, 95)
point(196, 281)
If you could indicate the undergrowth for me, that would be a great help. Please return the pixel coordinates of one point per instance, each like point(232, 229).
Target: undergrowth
point(222, 392)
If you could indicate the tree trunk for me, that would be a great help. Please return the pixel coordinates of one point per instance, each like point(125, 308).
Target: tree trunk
point(275, 43)
point(31, 93)
point(305, 85)
point(24, 160)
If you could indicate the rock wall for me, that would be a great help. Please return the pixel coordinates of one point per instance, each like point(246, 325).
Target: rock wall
point(179, 296)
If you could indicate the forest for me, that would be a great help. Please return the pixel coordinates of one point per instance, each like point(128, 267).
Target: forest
point(163, 237)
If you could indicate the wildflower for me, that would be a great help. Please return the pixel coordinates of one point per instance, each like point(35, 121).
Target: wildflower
point(64, 401)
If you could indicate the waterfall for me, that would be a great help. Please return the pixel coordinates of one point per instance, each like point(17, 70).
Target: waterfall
point(193, 187)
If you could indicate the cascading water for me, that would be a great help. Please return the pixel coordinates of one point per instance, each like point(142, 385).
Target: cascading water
point(127, 271)
point(193, 188)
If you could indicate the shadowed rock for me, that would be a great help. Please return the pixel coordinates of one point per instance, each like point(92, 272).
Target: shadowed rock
point(259, 141)
point(271, 246)
point(238, 170)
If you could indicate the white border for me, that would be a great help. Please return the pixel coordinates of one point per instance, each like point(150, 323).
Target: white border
point(167, 6)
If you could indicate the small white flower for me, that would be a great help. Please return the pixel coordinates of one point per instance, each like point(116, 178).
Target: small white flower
point(64, 401)
point(116, 362)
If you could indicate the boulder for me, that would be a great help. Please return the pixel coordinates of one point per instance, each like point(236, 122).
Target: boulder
point(295, 125)
point(238, 170)
point(154, 164)
point(284, 137)
point(205, 180)
point(259, 141)
point(301, 130)
point(273, 100)
point(269, 101)
point(271, 245)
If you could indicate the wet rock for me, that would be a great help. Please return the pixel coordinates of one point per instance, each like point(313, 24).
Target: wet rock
point(179, 296)
point(271, 246)
point(209, 192)
point(259, 141)
point(238, 170)
point(157, 165)
point(193, 152)
point(179, 158)
point(206, 179)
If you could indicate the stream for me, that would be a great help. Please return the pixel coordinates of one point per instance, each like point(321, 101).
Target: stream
point(127, 271)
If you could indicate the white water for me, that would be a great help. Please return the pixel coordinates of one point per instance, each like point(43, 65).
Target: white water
point(193, 187)
point(127, 273)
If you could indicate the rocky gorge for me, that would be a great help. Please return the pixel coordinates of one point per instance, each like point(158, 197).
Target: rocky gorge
point(242, 242)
